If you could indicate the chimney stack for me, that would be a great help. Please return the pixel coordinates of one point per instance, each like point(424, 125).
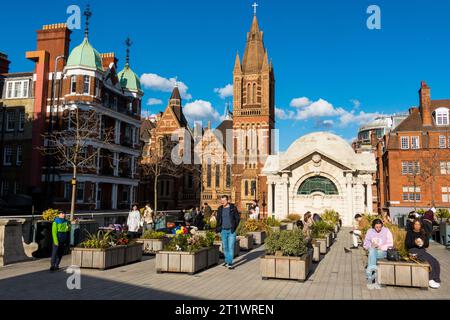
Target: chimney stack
point(4, 63)
point(425, 104)
point(109, 58)
point(55, 39)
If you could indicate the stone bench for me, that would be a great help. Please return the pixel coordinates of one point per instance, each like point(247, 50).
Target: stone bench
point(403, 274)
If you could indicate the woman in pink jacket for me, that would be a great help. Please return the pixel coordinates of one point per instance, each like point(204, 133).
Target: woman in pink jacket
point(377, 241)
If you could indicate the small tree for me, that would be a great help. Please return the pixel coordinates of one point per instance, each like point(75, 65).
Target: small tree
point(72, 147)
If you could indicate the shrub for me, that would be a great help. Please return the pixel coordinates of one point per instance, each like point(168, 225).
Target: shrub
point(399, 236)
point(240, 231)
point(366, 223)
point(421, 211)
point(291, 243)
point(253, 226)
point(50, 214)
point(153, 235)
point(190, 243)
point(331, 216)
point(443, 214)
point(272, 222)
point(321, 229)
point(100, 240)
point(294, 217)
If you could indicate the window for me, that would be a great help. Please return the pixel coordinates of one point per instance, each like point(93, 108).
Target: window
point(442, 117)
point(228, 176)
point(5, 188)
point(7, 158)
point(415, 142)
point(446, 194)
point(19, 153)
point(246, 188)
point(80, 192)
point(10, 120)
point(253, 188)
point(217, 176)
point(208, 175)
point(318, 184)
point(73, 84)
point(442, 142)
point(86, 84)
point(410, 167)
point(411, 195)
point(17, 89)
point(126, 194)
point(405, 143)
point(97, 87)
point(21, 120)
point(445, 168)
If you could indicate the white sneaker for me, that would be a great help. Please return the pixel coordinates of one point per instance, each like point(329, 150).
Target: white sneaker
point(434, 285)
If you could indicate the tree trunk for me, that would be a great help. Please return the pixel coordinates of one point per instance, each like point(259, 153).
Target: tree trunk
point(74, 193)
point(155, 186)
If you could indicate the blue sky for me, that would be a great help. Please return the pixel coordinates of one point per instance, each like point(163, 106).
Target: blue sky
point(321, 50)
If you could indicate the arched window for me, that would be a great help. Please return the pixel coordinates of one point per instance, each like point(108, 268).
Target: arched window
point(254, 93)
point(441, 117)
point(249, 94)
point(318, 184)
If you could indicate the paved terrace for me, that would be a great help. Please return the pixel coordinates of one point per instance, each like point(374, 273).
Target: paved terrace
point(337, 276)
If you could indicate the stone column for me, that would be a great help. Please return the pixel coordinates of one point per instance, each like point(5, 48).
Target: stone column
point(369, 194)
point(285, 195)
point(12, 247)
point(351, 211)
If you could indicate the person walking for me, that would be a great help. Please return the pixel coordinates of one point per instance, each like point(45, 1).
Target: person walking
point(134, 222)
point(61, 237)
point(149, 218)
point(417, 242)
point(228, 219)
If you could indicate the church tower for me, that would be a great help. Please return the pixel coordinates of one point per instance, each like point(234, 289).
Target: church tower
point(253, 119)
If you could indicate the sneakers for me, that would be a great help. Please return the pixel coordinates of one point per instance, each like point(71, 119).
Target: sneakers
point(434, 285)
point(230, 267)
point(373, 286)
point(224, 264)
point(52, 268)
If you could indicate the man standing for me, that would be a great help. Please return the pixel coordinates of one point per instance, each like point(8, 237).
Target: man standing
point(60, 235)
point(228, 219)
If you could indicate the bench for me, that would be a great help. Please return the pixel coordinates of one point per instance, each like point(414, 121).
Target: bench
point(403, 274)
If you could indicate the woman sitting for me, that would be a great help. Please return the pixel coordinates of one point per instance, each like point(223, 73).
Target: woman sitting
point(307, 224)
point(416, 242)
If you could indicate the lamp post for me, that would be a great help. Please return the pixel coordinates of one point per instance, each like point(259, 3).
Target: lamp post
point(264, 204)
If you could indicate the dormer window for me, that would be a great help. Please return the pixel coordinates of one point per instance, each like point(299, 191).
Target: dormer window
point(441, 115)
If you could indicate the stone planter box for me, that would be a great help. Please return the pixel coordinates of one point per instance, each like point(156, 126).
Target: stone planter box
point(316, 251)
point(99, 258)
point(259, 237)
point(237, 247)
point(329, 239)
point(186, 262)
point(245, 242)
point(280, 228)
point(133, 253)
point(404, 274)
point(292, 268)
point(152, 246)
point(322, 242)
point(289, 225)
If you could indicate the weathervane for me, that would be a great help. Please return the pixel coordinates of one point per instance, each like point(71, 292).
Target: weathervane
point(255, 6)
point(88, 14)
point(128, 44)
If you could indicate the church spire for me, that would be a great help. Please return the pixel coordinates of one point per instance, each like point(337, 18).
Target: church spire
point(254, 52)
point(237, 65)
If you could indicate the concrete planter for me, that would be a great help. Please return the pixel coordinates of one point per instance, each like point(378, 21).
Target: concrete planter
point(237, 247)
point(292, 268)
point(187, 262)
point(259, 237)
point(322, 242)
point(133, 253)
point(316, 251)
point(152, 246)
point(404, 274)
point(245, 242)
point(280, 228)
point(99, 258)
point(329, 239)
point(289, 225)
point(336, 228)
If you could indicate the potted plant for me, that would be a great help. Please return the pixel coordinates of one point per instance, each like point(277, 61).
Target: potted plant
point(245, 240)
point(321, 233)
point(257, 229)
point(287, 256)
point(218, 242)
point(153, 241)
point(332, 218)
point(275, 225)
point(106, 250)
point(186, 253)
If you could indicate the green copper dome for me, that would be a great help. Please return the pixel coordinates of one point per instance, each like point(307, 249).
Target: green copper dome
point(85, 56)
point(128, 79)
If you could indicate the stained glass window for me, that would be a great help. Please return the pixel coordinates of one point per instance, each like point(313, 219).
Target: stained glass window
point(318, 184)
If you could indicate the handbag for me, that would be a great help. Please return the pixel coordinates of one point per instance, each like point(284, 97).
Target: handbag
point(393, 255)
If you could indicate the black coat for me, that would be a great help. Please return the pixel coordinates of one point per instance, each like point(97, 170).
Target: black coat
point(235, 218)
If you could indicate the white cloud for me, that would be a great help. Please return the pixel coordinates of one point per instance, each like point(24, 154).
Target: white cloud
point(155, 82)
point(154, 102)
point(328, 122)
point(148, 114)
point(360, 118)
point(284, 114)
point(225, 92)
point(200, 110)
point(356, 103)
point(319, 108)
point(300, 102)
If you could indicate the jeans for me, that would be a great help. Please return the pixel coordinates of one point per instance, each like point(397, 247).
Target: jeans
point(228, 243)
point(57, 254)
point(374, 255)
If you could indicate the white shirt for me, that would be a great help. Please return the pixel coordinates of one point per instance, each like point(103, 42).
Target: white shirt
point(134, 221)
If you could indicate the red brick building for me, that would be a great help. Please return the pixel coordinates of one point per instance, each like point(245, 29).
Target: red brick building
point(414, 158)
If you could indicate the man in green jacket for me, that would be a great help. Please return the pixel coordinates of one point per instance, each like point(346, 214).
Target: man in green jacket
point(60, 235)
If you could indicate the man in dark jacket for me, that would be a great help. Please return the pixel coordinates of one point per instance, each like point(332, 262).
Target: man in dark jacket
point(228, 219)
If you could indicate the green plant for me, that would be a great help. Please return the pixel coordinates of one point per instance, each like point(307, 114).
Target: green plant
point(443, 214)
point(272, 222)
point(50, 214)
point(291, 243)
point(321, 228)
point(294, 217)
point(100, 240)
point(330, 216)
point(240, 231)
point(421, 211)
point(286, 221)
point(399, 236)
point(254, 226)
point(153, 235)
point(190, 243)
